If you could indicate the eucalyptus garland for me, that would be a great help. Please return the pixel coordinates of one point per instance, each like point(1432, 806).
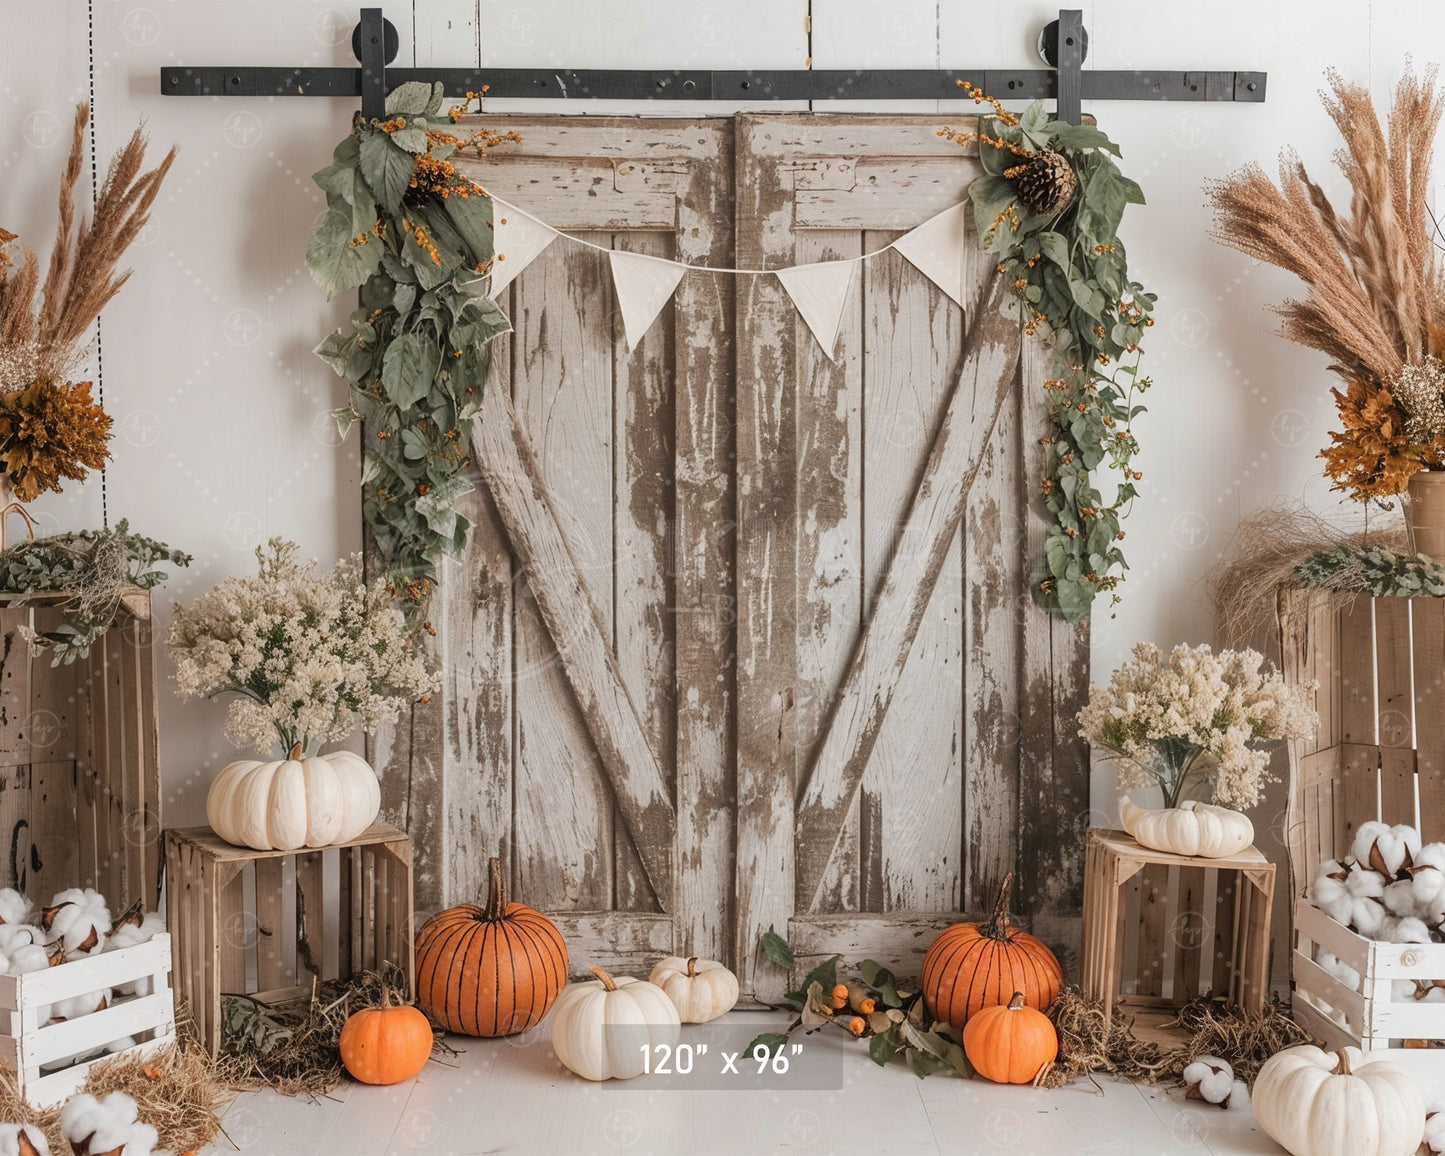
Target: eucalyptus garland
point(1049, 206)
point(415, 236)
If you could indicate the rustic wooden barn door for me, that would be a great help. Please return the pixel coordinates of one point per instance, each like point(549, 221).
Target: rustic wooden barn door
point(728, 650)
point(903, 710)
point(584, 728)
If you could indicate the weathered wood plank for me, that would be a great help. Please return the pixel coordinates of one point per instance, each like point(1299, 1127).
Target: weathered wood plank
point(989, 365)
point(830, 531)
point(626, 942)
point(1428, 625)
point(562, 393)
point(767, 334)
point(703, 532)
point(897, 939)
point(560, 587)
point(913, 338)
point(644, 630)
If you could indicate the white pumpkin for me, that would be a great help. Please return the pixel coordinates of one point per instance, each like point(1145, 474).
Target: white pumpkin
point(701, 989)
point(601, 1026)
point(1192, 828)
point(1344, 1103)
point(294, 802)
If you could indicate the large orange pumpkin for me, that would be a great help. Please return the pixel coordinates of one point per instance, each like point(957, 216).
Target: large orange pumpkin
point(977, 965)
point(489, 971)
point(386, 1044)
point(1009, 1043)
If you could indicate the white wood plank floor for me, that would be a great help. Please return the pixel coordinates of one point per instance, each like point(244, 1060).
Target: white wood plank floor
point(511, 1096)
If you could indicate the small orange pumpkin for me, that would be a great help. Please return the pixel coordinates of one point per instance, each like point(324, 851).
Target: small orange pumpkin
point(1009, 1043)
point(489, 971)
point(977, 965)
point(386, 1044)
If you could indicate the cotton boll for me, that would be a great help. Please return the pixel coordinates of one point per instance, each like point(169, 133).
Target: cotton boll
point(1386, 848)
point(80, 1005)
point(14, 907)
point(1367, 916)
point(23, 1140)
point(78, 919)
point(1338, 968)
point(1209, 1079)
point(101, 1126)
point(1435, 1129)
point(129, 935)
point(1329, 893)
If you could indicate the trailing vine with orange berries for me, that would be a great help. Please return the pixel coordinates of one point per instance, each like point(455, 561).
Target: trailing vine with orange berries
point(1048, 205)
point(415, 236)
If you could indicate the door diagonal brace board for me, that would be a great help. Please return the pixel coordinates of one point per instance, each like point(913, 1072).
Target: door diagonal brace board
point(568, 611)
point(990, 363)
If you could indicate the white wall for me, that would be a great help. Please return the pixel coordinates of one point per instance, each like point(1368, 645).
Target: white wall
point(221, 409)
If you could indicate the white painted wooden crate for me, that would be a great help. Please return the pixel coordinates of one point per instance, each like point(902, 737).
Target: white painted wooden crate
point(33, 1050)
point(1376, 1019)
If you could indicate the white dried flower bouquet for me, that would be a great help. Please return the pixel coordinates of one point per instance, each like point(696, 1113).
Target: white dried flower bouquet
point(309, 654)
point(1193, 715)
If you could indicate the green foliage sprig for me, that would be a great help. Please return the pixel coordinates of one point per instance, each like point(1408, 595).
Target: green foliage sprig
point(1071, 280)
point(1373, 570)
point(415, 236)
point(92, 569)
point(895, 1022)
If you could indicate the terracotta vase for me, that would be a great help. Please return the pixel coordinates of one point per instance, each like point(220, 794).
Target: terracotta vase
point(1425, 513)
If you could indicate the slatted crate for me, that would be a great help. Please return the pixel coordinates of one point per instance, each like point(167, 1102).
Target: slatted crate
point(79, 772)
point(268, 923)
point(1161, 929)
point(1379, 754)
point(41, 1055)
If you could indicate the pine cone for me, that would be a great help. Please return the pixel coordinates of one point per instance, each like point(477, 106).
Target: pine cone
point(1046, 183)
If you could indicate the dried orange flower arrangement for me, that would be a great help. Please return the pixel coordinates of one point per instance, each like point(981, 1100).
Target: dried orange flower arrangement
point(1376, 287)
point(50, 427)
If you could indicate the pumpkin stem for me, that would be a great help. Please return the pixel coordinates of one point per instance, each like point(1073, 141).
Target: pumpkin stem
point(1017, 1002)
point(692, 967)
point(607, 981)
point(997, 925)
point(1342, 1068)
point(294, 753)
point(497, 893)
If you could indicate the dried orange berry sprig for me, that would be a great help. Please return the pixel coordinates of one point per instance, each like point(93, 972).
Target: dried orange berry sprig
point(1048, 206)
point(409, 227)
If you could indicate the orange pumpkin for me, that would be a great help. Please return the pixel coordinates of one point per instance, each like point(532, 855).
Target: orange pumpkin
point(977, 965)
point(489, 971)
point(1009, 1043)
point(386, 1044)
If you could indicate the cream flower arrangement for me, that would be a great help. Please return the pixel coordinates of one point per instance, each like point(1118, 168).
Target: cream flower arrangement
point(1194, 716)
point(309, 654)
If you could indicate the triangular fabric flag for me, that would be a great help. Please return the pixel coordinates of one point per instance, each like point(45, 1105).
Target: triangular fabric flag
point(820, 291)
point(644, 285)
point(517, 239)
point(938, 248)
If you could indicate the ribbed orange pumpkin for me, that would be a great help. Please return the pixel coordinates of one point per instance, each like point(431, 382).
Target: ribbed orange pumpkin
point(489, 971)
point(386, 1044)
point(1008, 1044)
point(977, 965)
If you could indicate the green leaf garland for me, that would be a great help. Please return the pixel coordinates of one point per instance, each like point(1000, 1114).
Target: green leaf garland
point(415, 237)
point(1071, 282)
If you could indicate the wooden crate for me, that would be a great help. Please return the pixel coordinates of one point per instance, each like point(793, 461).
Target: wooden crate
point(79, 772)
point(39, 1054)
point(268, 923)
point(1160, 929)
point(1379, 754)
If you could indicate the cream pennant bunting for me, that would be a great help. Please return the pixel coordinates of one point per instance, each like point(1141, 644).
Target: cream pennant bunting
point(820, 291)
point(518, 238)
point(643, 285)
point(938, 249)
